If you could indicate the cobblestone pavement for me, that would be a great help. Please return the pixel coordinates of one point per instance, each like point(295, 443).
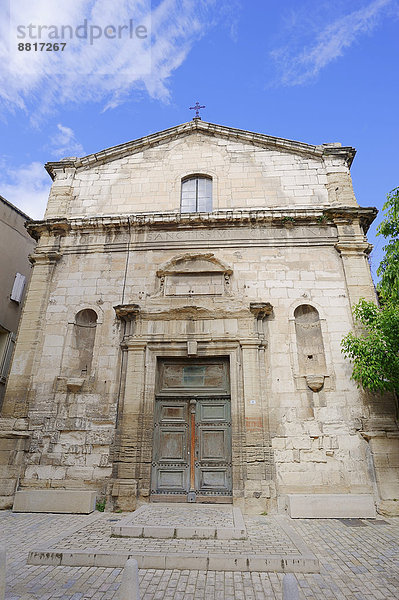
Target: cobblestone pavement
point(359, 561)
point(265, 536)
point(190, 515)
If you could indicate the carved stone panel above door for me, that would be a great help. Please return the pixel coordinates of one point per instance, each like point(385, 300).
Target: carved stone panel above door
point(194, 275)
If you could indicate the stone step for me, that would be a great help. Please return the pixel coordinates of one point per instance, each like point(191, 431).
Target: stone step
point(179, 561)
point(168, 521)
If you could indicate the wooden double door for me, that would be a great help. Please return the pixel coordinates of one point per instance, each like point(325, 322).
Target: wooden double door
point(192, 450)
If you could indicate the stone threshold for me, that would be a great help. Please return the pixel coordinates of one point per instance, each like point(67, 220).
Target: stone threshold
point(179, 561)
point(131, 527)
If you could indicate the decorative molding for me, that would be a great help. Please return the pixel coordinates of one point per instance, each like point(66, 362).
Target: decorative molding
point(345, 248)
point(214, 219)
point(261, 309)
point(44, 258)
point(175, 265)
point(315, 382)
point(127, 312)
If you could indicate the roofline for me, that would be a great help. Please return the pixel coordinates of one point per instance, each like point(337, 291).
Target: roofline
point(18, 210)
point(197, 125)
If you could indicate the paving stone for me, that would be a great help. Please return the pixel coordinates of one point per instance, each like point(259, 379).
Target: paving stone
point(375, 548)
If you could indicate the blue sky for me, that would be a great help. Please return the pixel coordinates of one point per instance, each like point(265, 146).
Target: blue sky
point(314, 71)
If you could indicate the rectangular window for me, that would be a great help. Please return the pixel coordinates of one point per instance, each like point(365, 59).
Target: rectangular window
point(196, 195)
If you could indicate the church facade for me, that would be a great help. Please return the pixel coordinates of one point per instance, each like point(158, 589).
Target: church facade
point(181, 335)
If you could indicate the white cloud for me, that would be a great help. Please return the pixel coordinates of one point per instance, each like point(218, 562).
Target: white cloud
point(65, 144)
point(299, 67)
point(108, 69)
point(27, 187)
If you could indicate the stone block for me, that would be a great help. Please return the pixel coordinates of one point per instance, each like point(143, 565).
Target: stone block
point(7, 486)
point(78, 559)
point(225, 562)
point(158, 532)
point(331, 506)
point(55, 501)
point(6, 502)
point(278, 443)
point(389, 508)
point(129, 531)
point(36, 557)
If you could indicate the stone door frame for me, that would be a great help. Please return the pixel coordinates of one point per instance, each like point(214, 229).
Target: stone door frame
point(219, 349)
point(134, 436)
point(144, 341)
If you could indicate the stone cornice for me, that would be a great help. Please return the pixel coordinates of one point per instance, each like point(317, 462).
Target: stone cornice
point(45, 258)
point(161, 310)
point(53, 227)
point(210, 129)
point(220, 218)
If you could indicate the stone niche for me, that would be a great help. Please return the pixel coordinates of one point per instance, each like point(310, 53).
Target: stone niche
point(83, 338)
point(310, 347)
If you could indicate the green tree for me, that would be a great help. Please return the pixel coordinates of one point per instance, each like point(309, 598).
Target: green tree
point(375, 351)
point(374, 348)
point(388, 270)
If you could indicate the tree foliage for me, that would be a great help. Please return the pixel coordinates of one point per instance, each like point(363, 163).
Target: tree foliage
point(388, 270)
point(374, 350)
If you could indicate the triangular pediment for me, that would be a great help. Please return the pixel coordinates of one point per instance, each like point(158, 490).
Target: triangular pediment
point(196, 127)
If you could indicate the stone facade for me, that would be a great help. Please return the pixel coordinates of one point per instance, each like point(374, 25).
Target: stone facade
point(264, 283)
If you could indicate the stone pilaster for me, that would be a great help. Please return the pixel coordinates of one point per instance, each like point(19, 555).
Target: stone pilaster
point(16, 400)
point(128, 449)
point(354, 253)
point(256, 486)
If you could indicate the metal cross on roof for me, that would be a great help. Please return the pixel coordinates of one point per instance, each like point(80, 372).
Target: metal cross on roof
point(197, 108)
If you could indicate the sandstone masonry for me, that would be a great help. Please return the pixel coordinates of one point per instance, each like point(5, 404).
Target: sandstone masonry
point(195, 356)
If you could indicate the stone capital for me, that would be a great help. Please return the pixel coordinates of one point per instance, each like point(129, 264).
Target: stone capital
point(261, 309)
point(352, 248)
point(45, 258)
point(127, 312)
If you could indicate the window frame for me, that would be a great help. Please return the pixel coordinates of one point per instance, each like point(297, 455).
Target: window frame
point(196, 177)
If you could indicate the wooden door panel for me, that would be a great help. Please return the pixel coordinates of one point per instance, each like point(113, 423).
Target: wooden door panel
point(214, 479)
point(213, 433)
point(171, 479)
point(213, 444)
point(170, 469)
point(172, 444)
point(214, 413)
point(172, 412)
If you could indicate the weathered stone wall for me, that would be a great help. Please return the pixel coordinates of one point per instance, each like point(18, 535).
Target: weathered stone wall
point(243, 176)
point(13, 444)
point(297, 419)
point(72, 416)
